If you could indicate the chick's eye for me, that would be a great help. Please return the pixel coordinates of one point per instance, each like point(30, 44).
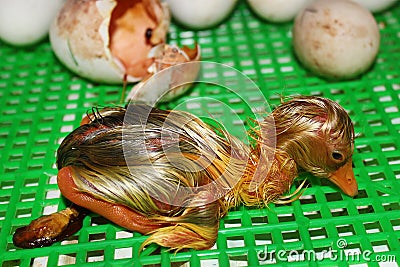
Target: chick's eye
point(337, 156)
point(148, 33)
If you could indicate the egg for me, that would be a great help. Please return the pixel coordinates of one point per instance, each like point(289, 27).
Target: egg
point(277, 10)
point(376, 5)
point(336, 39)
point(26, 22)
point(109, 41)
point(200, 14)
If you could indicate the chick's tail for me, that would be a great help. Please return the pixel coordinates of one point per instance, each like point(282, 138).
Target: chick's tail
point(196, 227)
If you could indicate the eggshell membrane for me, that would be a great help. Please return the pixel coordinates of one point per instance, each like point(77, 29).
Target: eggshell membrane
point(277, 10)
point(200, 14)
point(98, 41)
point(336, 39)
point(127, 21)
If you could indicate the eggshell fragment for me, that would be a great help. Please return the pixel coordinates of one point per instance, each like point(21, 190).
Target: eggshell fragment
point(200, 14)
point(173, 72)
point(278, 10)
point(336, 39)
point(108, 41)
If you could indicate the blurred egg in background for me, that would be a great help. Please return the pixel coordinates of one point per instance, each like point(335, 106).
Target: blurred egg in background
point(26, 22)
point(200, 14)
point(277, 10)
point(376, 5)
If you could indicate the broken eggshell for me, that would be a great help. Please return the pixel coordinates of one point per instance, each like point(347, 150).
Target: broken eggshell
point(109, 40)
point(173, 72)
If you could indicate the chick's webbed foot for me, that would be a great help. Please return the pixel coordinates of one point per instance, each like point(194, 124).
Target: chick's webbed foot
point(48, 229)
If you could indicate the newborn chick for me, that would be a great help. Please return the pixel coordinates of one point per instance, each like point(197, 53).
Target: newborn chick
point(169, 175)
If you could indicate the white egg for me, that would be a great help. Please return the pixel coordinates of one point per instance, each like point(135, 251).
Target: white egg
point(278, 10)
point(200, 14)
point(376, 5)
point(109, 41)
point(336, 39)
point(25, 22)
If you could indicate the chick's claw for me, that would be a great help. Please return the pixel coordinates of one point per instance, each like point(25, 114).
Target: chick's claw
point(49, 229)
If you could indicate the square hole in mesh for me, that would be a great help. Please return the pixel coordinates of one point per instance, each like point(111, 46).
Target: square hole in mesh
point(31, 182)
point(395, 160)
point(308, 199)
point(395, 224)
point(380, 246)
point(99, 220)
point(365, 209)
point(391, 206)
point(66, 259)
point(23, 213)
point(239, 260)
point(388, 147)
point(377, 176)
point(123, 253)
point(235, 242)
point(26, 197)
point(2, 215)
point(95, 256)
point(291, 236)
point(339, 212)
point(364, 148)
point(40, 261)
point(361, 194)
point(314, 214)
point(263, 239)
point(372, 227)
point(352, 252)
point(11, 263)
point(259, 220)
point(70, 240)
point(286, 217)
point(318, 233)
point(370, 162)
point(123, 234)
point(230, 223)
point(334, 196)
point(345, 230)
point(6, 185)
point(52, 194)
point(97, 237)
point(4, 200)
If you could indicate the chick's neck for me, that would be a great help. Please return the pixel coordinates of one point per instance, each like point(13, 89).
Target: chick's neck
point(268, 175)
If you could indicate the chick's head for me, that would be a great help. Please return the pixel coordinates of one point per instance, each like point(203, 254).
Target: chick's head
point(319, 135)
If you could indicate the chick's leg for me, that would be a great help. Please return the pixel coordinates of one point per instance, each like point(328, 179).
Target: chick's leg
point(118, 214)
point(196, 227)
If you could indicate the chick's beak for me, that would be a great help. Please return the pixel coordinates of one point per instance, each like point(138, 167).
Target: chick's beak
point(344, 179)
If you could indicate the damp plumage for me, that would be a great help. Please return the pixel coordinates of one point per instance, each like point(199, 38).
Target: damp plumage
point(169, 175)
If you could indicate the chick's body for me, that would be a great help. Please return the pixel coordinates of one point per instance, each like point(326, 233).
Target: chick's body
point(172, 176)
point(167, 170)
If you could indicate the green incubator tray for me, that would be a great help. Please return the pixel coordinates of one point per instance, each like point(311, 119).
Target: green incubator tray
point(41, 102)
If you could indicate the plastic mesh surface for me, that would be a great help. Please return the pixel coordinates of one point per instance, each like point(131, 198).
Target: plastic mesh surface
point(41, 102)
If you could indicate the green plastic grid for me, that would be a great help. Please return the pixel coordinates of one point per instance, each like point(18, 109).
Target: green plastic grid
point(41, 102)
